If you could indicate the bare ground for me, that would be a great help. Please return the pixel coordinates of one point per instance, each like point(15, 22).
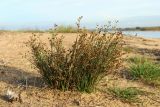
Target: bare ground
point(16, 73)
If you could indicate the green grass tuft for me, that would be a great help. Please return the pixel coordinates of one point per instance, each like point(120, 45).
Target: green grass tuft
point(129, 95)
point(137, 59)
point(146, 70)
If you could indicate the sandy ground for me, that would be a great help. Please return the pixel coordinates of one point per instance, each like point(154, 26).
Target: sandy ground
point(17, 74)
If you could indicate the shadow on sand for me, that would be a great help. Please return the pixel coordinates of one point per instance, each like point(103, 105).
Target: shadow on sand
point(16, 76)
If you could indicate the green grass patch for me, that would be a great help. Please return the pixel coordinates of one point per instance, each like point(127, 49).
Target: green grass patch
point(137, 59)
point(146, 70)
point(129, 95)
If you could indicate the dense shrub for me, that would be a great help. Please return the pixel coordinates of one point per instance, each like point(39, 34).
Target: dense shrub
point(91, 57)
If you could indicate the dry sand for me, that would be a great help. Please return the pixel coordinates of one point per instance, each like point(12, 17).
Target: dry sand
point(16, 73)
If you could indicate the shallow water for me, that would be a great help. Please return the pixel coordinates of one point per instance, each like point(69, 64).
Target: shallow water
point(148, 34)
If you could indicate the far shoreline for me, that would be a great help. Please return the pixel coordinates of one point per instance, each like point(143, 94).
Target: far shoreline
point(156, 28)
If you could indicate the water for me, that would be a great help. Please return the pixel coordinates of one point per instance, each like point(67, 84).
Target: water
point(148, 34)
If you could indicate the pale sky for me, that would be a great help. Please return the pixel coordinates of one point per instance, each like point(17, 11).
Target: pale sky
point(19, 14)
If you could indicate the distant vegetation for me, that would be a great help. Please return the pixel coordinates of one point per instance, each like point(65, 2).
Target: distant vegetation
point(32, 31)
point(64, 29)
point(142, 29)
point(25, 31)
point(59, 29)
point(73, 29)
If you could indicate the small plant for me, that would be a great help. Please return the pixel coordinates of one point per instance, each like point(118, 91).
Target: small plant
point(146, 70)
point(92, 56)
point(129, 94)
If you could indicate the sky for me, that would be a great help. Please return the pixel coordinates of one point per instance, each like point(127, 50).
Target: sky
point(43, 14)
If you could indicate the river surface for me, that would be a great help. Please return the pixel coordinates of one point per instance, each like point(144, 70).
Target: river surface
point(148, 34)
